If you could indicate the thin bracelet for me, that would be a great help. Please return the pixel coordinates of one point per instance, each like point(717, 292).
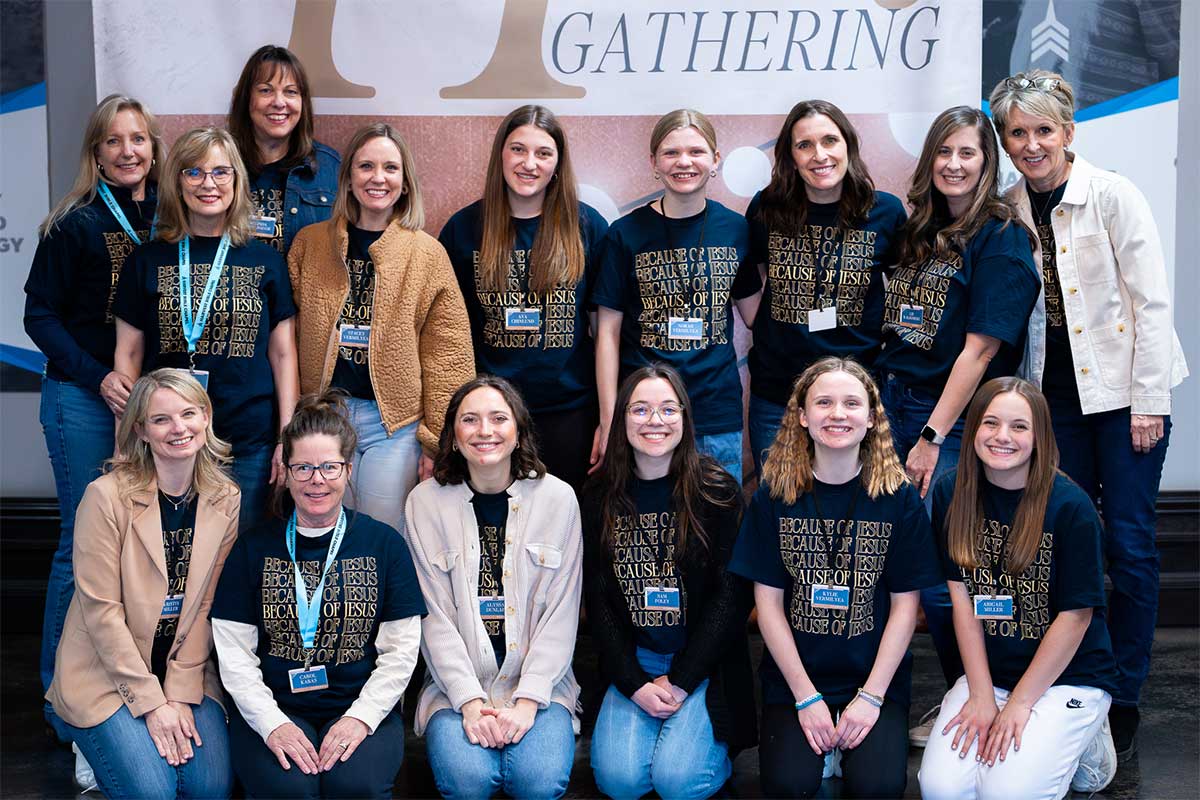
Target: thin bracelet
point(815, 697)
point(873, 699)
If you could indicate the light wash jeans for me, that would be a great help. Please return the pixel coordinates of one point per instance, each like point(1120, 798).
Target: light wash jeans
point(385, 467)
point(633, 753)
point(726, 448)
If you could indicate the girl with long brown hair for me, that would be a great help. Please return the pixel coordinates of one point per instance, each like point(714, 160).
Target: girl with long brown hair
point(838, 546)
point(660, 520)
point(1020, 548)
point(525, 255)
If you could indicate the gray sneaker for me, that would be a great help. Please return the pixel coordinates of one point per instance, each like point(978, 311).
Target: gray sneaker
point(85, 778)
point(919, 736)
point(1098, 764)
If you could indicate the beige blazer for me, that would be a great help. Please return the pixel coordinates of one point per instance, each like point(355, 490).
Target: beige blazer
point(103, 657)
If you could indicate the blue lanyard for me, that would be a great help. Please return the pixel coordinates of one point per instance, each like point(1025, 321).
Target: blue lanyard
point(107, 196)
point(308, 609)
point(193, 328)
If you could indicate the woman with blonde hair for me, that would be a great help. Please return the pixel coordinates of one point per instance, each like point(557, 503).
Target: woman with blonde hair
point(204, 296)
point(838, 546)
point(82, 244)
point(1103, 348)
point(133, 680)
point(381, 318)
point(526, 255)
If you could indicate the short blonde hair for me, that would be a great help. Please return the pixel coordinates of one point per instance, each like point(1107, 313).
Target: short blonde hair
point(410, 208)
point(682, 118)
point(1057, 104)
point(189, 151)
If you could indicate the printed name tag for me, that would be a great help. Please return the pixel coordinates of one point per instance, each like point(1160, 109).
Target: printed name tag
point(685, 328)
point(993, 606)
point(491, 607)
point(201, 376)
point(837, 597)
point(354, 335)
point(263, 226)
point(912, 316)
point(662, 598)
point(522, 319)
point(822, 319)
point(308, 680)
point(172, 605)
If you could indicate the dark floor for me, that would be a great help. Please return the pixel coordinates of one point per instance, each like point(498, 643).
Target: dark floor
point(1168, 765)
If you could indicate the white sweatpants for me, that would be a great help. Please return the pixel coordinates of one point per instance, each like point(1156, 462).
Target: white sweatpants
point(1064, 721)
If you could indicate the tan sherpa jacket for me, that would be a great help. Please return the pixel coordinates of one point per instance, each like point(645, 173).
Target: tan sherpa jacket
point(420, 347)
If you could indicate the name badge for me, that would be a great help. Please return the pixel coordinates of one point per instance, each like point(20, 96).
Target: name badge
point(822, 319)
point(308, 680)
point(685, 328)
point(354, 335)
point(993, 606)
point(661, 598)
point(264, 226)
point(172, 605)
point(522, 319)
point(201, 376)
point(491, 606)
point(912, 316)
point(835, 597)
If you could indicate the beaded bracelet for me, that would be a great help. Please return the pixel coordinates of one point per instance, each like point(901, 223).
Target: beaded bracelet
point(873, 699)
point(815, 697)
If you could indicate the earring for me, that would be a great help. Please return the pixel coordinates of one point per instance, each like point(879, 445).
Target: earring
point(454, 446)
point(712, 174)
point(657, 177)
point(100, 167)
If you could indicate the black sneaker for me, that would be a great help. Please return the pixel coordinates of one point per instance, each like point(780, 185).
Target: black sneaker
point(1124, 722)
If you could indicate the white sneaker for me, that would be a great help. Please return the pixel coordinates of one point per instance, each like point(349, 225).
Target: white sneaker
point(919, 736)
point(85, 778)
point(1098, 764)
point(833, 764)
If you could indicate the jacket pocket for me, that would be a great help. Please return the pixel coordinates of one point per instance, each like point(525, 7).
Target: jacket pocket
point(1095, 261)
point(445, 560)
point(316, 197)
point(547, 557)
point(1112, 345)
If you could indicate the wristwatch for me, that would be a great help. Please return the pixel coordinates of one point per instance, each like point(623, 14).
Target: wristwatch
point(932, 436)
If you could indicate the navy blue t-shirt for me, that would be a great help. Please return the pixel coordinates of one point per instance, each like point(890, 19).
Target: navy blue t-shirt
point(352, 370)
point(657, 268)
point(267, 191)
point(253, 296)
point(554, 364)
point(1058, 376)
point(1066, 573)
point(72, 281)
point(491, 516)
point(990, 289)
point(178, 530)
point(372, 580)
point(819, 266)
point(878, 547)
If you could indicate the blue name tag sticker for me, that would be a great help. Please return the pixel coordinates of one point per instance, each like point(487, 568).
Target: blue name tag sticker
point(522, 319)
point(822, 319)
point(912, 316)
point(308, 680)
point(172, 606)
point(264, 226)
point(354, 335)
point(661, 598)
point(491, 607)
point(993, 606)
point(835, 597)
point(685, 328)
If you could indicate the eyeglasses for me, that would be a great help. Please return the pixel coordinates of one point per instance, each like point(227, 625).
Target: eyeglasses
point(194, 176)
point(1020, 83)
point(643, 413)
point(330, 471)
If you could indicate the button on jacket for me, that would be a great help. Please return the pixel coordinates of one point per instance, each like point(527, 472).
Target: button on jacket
point(309, 192)
point(1115, 295)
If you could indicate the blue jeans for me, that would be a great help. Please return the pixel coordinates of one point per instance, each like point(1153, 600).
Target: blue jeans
point(726, 448)
point(633, 753)
point(764, 420)
point(79, 436)
point(539, 766)
point(127, 764)
point(908, 413)
point(385, 467)
point(252, 472)
point(1095, 450)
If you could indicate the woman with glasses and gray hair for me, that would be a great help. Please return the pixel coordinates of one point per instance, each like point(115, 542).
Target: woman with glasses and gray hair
point(317, 624)
point(1103, 348)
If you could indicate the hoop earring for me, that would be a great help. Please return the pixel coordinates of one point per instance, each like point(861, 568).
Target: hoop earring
point(712, 174)
point(454, 446)
point(657, 177)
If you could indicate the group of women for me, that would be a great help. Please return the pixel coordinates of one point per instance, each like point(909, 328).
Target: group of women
point(249, 322)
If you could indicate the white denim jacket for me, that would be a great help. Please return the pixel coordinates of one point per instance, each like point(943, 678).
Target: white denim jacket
point(1115, 295)
point(542, 582)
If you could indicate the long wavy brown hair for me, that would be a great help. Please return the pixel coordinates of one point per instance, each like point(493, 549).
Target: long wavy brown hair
point(449, 465)
point(788, 469)
point(927, 232)
point(698, 477)
point(964, 518)
point(263, 65)
point(783, 205)
point(557, 258)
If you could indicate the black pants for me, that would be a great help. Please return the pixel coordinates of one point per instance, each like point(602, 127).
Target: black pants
point(878, 767)
point(565, 442)
point(370, 772)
